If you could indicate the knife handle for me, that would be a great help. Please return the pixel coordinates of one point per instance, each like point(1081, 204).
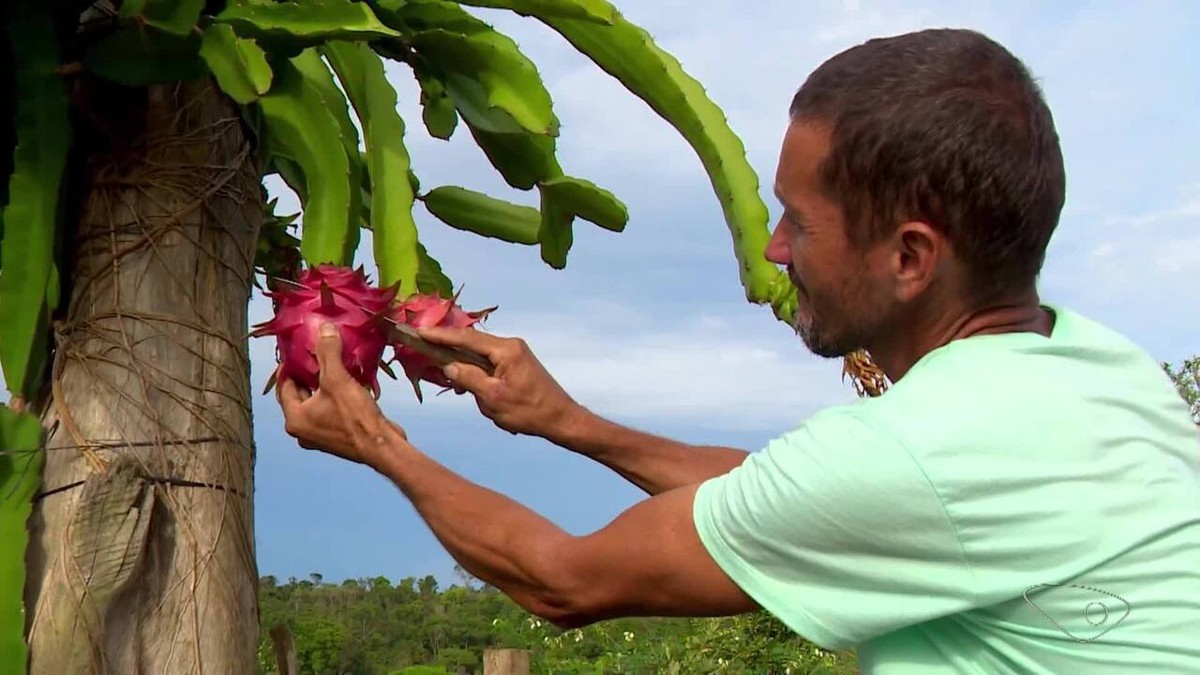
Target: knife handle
point(441, 353)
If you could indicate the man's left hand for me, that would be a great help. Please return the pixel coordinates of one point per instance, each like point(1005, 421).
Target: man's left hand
point(341, 417)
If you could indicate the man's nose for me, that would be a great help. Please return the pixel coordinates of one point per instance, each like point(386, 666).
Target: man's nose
point(778, 250)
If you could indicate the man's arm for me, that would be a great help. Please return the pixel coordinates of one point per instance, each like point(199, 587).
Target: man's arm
point(653, 463)
point(523, 397)
point(647, 562)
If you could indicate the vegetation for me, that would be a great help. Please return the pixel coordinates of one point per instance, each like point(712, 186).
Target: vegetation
point(1187, 381)
point(372, 626)
point(134, 139)
point(135, 136)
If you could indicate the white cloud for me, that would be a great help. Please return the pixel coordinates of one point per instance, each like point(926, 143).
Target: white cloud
point(1179, 256)
point(703, 372)
point(719, 372)
point(1188, 210)
point(1130, 269)
point(1102, 251)
point(714, 371)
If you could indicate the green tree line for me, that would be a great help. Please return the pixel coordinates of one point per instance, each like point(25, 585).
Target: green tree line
point(1186, 377)
point(374, 626)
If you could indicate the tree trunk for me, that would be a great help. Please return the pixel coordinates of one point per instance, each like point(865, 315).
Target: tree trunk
point(142, 551)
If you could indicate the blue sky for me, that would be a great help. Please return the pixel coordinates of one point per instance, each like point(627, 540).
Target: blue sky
point(650, 326)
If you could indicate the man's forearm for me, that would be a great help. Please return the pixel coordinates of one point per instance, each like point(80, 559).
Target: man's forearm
point(494, 538)
point(653, 463)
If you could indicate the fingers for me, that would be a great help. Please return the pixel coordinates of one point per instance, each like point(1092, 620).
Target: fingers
point(467, 338)
point(290, 397)
point(329, 354)
point(470, 378)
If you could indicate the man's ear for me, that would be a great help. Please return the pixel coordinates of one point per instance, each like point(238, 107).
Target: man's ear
point(918, 256)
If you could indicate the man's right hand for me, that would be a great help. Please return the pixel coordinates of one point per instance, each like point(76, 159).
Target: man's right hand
point(522, 397)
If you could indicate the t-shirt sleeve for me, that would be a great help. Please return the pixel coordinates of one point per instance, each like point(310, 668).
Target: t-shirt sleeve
point(836, 530)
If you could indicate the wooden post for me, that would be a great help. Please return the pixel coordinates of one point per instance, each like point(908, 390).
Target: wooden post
point(505, 662)
point(285, 650)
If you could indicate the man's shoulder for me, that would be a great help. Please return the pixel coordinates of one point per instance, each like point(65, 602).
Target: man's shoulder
point(1010, 402)
point(1017, 372)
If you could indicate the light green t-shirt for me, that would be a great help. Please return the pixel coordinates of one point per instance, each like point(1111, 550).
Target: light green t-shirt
point(1014, 504)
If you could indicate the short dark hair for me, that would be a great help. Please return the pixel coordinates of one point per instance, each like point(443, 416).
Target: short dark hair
point(946, 126)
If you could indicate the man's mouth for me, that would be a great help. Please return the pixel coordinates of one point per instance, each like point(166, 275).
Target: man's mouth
point(801, 299)
point(796, 281)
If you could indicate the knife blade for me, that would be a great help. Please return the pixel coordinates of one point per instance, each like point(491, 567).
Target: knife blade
point(442, 354)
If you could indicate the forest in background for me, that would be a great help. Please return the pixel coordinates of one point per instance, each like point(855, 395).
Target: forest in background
point(373, 626)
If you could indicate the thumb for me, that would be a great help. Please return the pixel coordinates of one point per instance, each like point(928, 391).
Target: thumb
point(329, 352)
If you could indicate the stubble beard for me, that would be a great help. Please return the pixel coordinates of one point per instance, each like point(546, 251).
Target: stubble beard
point(817, 340)
point(817, 335)
point(843, 322)
point(819, 343)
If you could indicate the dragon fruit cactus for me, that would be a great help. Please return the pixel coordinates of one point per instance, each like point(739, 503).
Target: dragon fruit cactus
point(345, 297)
point(426, 311)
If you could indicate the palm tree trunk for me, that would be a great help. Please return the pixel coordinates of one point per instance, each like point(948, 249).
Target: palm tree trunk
point(141, 557)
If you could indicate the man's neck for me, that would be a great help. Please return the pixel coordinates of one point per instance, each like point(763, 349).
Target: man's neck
point(956, 321)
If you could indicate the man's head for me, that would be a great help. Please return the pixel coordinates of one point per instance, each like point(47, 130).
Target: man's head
point(918, 169)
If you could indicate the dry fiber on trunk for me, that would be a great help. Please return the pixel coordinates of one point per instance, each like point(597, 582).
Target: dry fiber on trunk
point(142, 553)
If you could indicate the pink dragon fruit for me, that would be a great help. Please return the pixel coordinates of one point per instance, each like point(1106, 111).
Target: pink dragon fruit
point(344, 296)
point(326, 293)
point(425, 311)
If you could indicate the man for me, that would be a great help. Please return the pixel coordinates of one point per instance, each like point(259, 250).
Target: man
point(1025, 498)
